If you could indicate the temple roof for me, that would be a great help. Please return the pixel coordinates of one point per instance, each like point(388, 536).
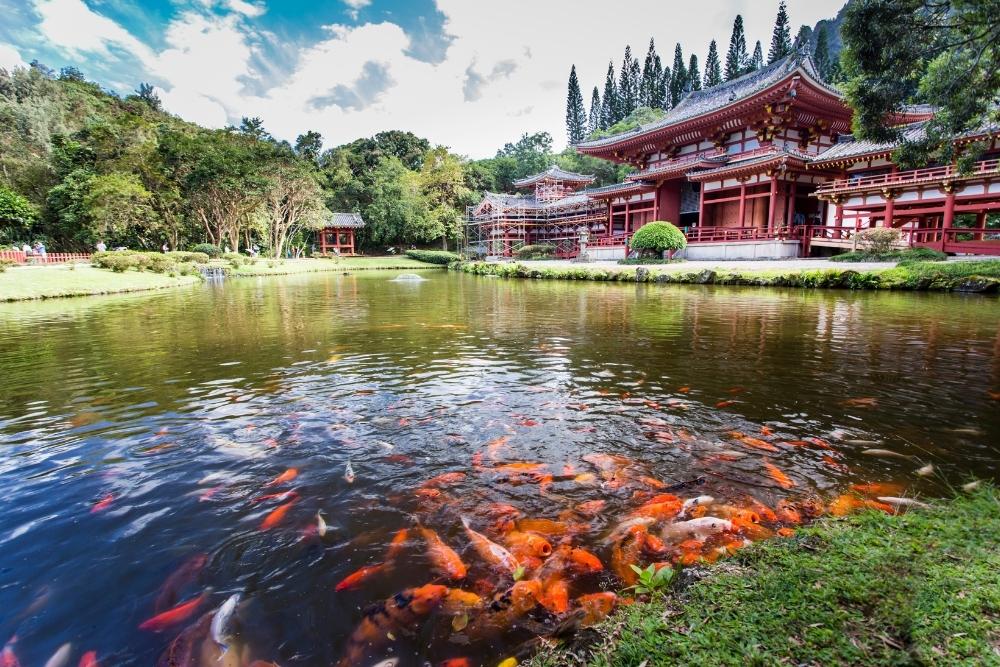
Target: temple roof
point(755, 161)
point(346, 221)
point(554, 173)
point(501, 200)
point(712, 99)
point(849, 150)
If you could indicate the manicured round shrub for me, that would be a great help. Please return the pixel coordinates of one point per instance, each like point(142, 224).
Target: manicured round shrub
point(536, 251)
point(207, 248)
point(880, 240)
point(658, 237)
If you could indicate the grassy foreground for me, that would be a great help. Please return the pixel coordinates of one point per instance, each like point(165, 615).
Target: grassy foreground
point(270, 267)
point(918, 589)
point(59, 280)
point(971, 276)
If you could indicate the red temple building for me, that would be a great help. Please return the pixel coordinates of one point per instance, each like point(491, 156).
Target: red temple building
point(762, 166)
point(337, 238)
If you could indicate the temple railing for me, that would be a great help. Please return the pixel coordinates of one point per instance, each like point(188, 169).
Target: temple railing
point(728, 234)
point(911, 177)
point(50, 258)
point(960, 240)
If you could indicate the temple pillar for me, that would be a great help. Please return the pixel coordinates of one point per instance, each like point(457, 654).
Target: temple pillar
point(890, 208)
point(668, 201)
point(772, 204)
point(949, 213)
point(743, 203)
point(790, 208)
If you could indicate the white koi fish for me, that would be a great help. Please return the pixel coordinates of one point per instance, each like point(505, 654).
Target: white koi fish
point(221, 619)
point(349, 473)
point(699, 528)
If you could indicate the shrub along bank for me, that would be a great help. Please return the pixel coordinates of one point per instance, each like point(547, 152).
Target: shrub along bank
point(871, 589)
point(973, 276)
point(442, 257)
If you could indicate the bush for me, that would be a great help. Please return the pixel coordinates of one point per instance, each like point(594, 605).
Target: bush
point(4, 263)
point(921, 255)
point(207, 248)
point(880, 240)
point(195, 257)
point(123, 260)
point(909, 255)
point(658, 237)
point(235, 259)
point(442, 257)
point(538, 251)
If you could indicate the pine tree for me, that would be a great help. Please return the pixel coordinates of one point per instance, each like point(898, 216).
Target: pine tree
point(576, 114)
point(635, 76)
point(609, 102)
point(757, 60)
point(822, 55)
point(694, 74)
point(594, 123)
point(651, 72)
point(736, 57)
point(781, 39)
point(663, 90)
point(679, 80)
point(627, 86)
point(713, 69)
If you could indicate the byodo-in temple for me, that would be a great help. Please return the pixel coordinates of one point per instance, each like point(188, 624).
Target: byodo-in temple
point(762, 166)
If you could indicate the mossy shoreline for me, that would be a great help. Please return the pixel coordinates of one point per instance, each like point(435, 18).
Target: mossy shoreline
point(966, 276)
point(919, 588)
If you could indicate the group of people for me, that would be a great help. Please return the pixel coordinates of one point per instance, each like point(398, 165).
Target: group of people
point(38, 250)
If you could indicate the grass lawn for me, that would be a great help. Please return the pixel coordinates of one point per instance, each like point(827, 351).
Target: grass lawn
point(922, 588)
point(46, 282)
point(283, 267)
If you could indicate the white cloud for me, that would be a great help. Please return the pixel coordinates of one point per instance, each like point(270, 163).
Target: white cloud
point(503, 72)
point(10, 58)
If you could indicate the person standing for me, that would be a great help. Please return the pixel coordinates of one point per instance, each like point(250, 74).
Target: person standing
point(101, 247)
point(165, 248)
point(40, 249)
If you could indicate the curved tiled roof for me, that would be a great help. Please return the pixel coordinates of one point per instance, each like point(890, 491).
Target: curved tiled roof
point(554, 173)
point(849, 149)
point(616, 188)
point(718, 97)
point(346, 221)
point(762, 158)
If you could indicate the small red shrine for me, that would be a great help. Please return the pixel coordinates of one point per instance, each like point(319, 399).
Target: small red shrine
point(337, 237)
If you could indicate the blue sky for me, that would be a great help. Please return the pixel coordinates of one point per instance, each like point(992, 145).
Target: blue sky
point(468, 74)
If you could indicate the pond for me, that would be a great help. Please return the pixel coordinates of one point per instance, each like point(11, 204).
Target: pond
point(162, 453)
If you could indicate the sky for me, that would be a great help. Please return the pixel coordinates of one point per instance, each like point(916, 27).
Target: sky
point(468, 74)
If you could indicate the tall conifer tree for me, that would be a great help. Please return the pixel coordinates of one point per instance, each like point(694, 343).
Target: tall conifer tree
point(576, 113)
point(694, 74)
point(679, 79)
point(652, 69)
point(781, 39)
point(663, 90)
point(713, 68)
point(736, 57)
point(822, 55)
point(757, 60)
point(628, 86)
point(594, 123)
point(609, 102)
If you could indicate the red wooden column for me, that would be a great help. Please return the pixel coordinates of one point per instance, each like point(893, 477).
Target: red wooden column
point(772, 203)
point(890, 208)
point(628, 214)
point(790, 209)
point(701, 205)
point(949, 213)
point(743, 202)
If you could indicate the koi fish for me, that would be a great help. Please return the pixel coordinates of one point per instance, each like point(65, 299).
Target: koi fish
point(683, 390)
point(865, 402)
point(397, 544)
point(543, 526)
point(506, 608)
point(626, 526)
point(178, 614)
point(519, 467)
point(7, 656)
point(321, 526)
point(401, 459)
point(276, 516)
point(995, 395)
point(61, 657)
point(596, 607)
point(458, 601)
point(180, 579)
point(89, 659)
point(403, 610)
point(970, 486)
point(702, 527)
point(878, 489)
point(527, 422)
point(724, 404)
point(775, 473)
point(443, 480)
point(349, 472)
point(626, 552)
point(660, 507)
point(358, 577)
point(527, 544)
point(103, 504)
point(284, 495)
point(926, 471)
point(494, 446)
point(443, 557)
point(455, 662)
point(490, 551)
point(583, 561)
point(220, 621)
point(286, 476)
point(903, 502)
point(555, 595)
point(691, 503)
point(591, 507)
point(884, 453)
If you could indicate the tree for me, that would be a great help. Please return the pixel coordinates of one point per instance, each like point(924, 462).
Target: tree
point(86, 207)
point(658, 237)
point(694, 74)
point(594, 120)
point(652, 71)
point(442, 182)
point(822, 54)
point(664, 89)
point(292, 202)
point(308, 146)
point(609, 101)
point(713, 69)
point(628, 87)
point(941, 52)
point(147, 93)
point(398, 212)
point(736, 57)
point(781, 38)
point(679, 81)
point(16, 215)
point(253, 128)
point(71, 73)
point(576, 114)
point(757, 60)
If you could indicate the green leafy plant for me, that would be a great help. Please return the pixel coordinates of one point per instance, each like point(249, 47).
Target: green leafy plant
point(442, 257)
point(658, 237)
point(536, 251)
point(651, 580)
point(880, 240)
point(212, 251)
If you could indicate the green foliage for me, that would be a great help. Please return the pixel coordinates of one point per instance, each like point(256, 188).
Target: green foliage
point(713, 68)
point(193, 257)
point(235, 259)
point(651, 580)
point(209, 249)
point(537, 251)
point(736, 57)
point(658, 237)
point(635, 261)
point(123, 260)
point(781, 39)
point(576, 114)
point(880, 240)
point(433, 256)
point(5, 263)
point(16, 215)
point(640, 116)
point(905, 255)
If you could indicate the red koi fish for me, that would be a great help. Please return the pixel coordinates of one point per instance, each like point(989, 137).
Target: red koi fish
point(445, 479)
point(591, 507)
point(280, 497)
point(724, 404)
point(443, 557)
point(286, 476)
point(783, 480)
point(171, 617)
point(455, 662)
point(103, 504)
point(404, 610)
point(182, 577)
point(276, 516)
point(89, 659)
point(397, 544)
point(358, 577)
point(596, 607)
point(7, 656)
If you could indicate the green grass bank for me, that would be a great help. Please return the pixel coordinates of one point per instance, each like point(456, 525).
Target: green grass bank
point(972, 276)
point(921, 588)
point(271, 267)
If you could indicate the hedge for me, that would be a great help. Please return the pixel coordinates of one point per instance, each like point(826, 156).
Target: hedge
point(442, 257)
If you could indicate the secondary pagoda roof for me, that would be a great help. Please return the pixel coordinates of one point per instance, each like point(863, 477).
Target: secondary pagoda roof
point(346, 221)
point(753, 163)
point(849, 150)
point(554, 173)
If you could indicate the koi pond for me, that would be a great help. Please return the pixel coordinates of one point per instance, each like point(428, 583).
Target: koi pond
point(346, 470)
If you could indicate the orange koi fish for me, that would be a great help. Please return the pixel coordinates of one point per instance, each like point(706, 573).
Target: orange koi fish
point(494, 446)
point(626, 552)
point(596, 607)
point(284, 495)
point(185, 575)
point(652, 482)
point(444, 479)
point(783, 480)
point(724, 404)
point(591, 507)
point(506, 608)
point(428, 493)
point(543, 526)
point(89, 659)
point(103, 504)
point(526, 544)
point(455, 662)
point(583, 561)
point(443, 557)
point(397, 544)
point(520, 467)
point(276, 516)
point(477, 461)
point(865, 402)
point(403, 610)
point(766, 431)
point(490, 551)
point(834, 463)
point(555, 595)
point(359, 576)
point(875, 489)
point(286, 476)
point(458, 601)
point(527, 422)
point(171, 617)
point(660, 508)
point(995, 395)
point(683, 390)
point(757, 443)
point(607, 461)
point(788, 513)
